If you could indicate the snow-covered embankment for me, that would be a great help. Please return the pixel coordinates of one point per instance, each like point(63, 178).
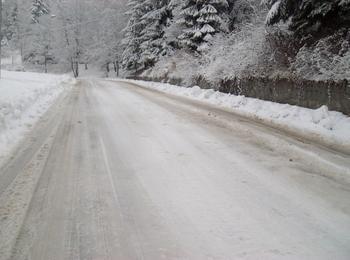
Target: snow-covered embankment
point(328, 127)
point(24, 98)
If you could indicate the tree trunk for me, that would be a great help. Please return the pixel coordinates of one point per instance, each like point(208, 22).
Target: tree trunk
point(86, 66)
point(75, 68)
point(107, 69)
point(72, 67)
point(46, 56)
point(116, 67)
point(0, 32)
point(45, 63)
point(21, 53)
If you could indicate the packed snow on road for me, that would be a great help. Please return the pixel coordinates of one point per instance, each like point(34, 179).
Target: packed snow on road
point(174, 129)
point(329, 127)
point(116, 170)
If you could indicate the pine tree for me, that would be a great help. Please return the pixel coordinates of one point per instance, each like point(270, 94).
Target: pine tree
point(201, 19)
point(153, 44)
point(10, 21)
point(39, 8)
point(133, 33)
point(310, 16)
point(39, 50)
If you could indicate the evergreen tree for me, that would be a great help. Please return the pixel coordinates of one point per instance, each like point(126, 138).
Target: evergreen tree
point(201, 19)
point(133, 32)
point(10, 21)
point(310, 16)
point(38, 9)
point(39, 50)
point(152, 41)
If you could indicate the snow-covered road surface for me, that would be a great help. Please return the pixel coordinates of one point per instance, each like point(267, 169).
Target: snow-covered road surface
point(114, 171)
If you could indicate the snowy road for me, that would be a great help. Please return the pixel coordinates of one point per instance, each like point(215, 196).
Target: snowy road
point(114, 171)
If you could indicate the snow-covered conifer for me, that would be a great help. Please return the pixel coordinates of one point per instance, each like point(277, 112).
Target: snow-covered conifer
point(10, 21)
point(310, 16)
point(152, 39)
point(133, 32)
point(144, 36)
point(201, 19)
point(38, 9)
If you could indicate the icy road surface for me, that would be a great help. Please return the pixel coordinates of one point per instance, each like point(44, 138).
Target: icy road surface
point(115, 171)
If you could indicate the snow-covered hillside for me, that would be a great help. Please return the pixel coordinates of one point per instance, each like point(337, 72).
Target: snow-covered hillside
point(24, 98)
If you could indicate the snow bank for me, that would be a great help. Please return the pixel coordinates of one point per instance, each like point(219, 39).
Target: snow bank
point(24, 97)
point(330, 127)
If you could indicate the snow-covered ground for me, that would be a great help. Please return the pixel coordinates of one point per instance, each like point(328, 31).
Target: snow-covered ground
point(330, 127)
point(24, 98)
point(128, 173)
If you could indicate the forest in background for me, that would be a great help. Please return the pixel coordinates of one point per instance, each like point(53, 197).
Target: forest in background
point(214, 39)
point(63, 35)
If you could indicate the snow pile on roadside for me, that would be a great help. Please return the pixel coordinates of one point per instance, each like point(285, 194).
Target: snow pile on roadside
point(24, 97)
point(328, 126)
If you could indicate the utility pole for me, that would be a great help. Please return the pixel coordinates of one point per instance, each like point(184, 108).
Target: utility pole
point(0, 33)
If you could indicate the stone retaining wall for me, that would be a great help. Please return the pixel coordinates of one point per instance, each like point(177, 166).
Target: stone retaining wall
point(300, 92)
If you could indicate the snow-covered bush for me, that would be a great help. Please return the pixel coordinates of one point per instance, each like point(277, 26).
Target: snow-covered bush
point(234, 54)
point(328, 59)
point(181, 64)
